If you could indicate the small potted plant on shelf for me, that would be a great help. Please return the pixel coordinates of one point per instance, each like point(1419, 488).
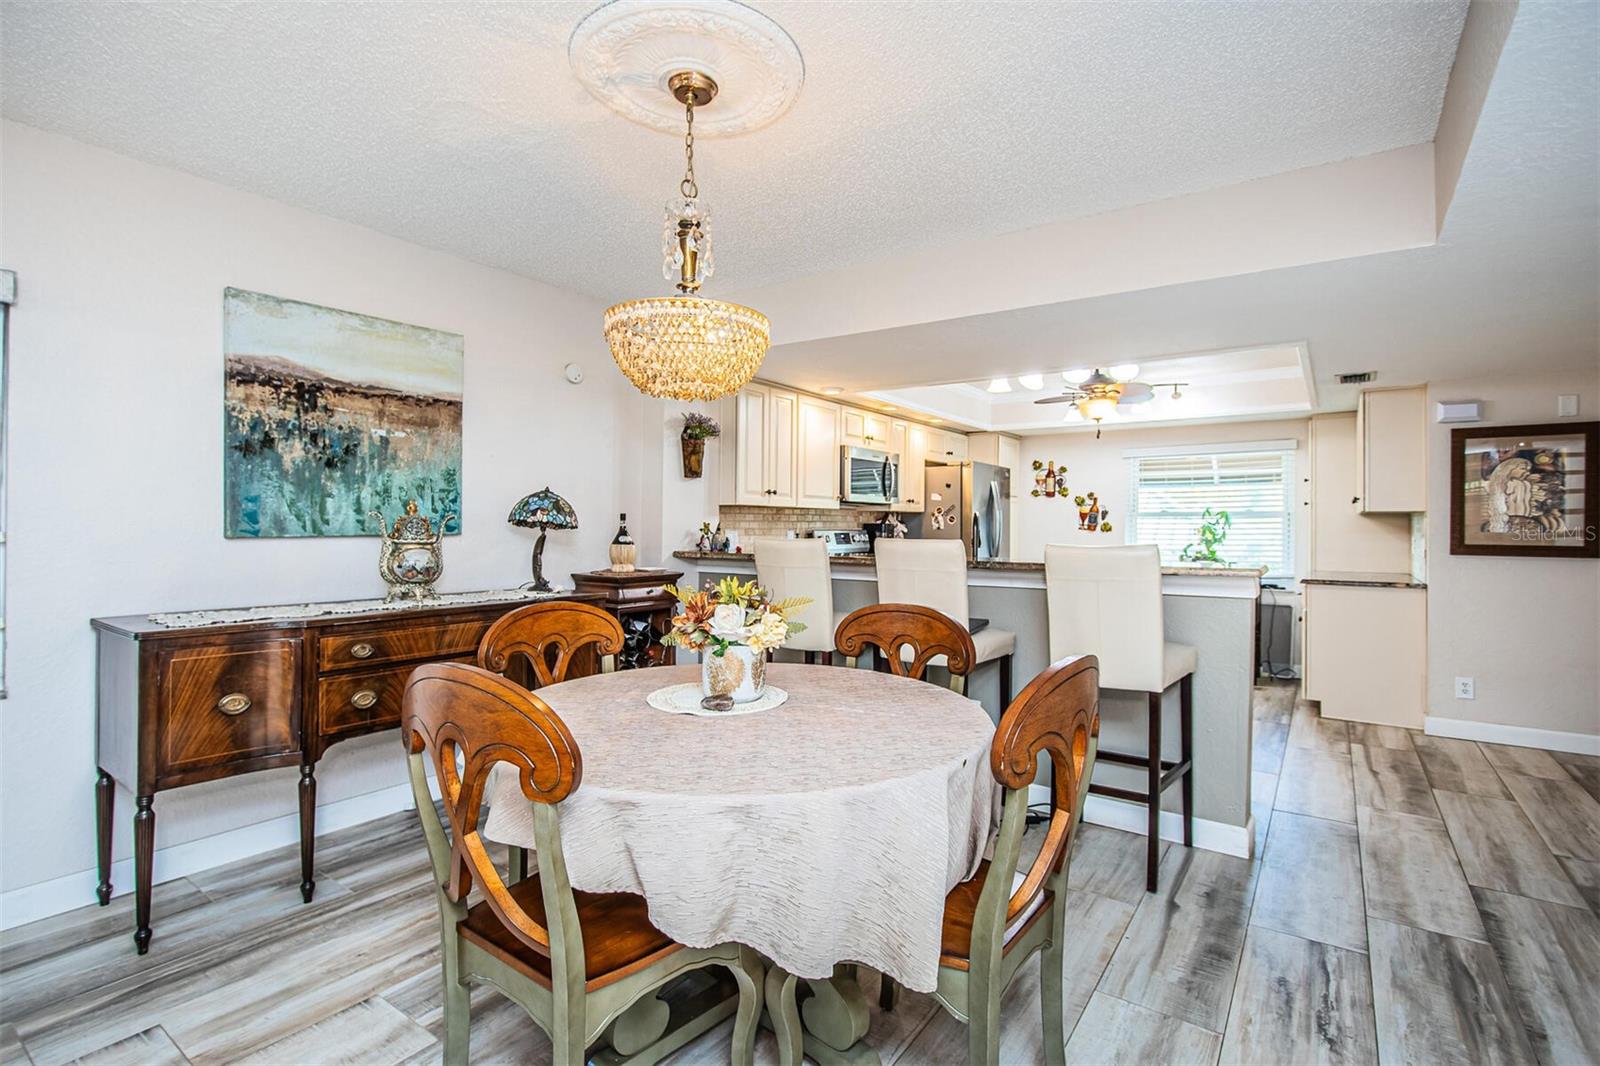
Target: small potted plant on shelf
point(697, 429)
point(733, 625)
point(1213, 531)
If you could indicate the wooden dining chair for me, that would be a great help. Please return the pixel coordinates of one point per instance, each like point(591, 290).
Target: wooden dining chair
point(575, 961)
point(539, 645)
point(909, 639)
point(547, 637)
point(994, 922)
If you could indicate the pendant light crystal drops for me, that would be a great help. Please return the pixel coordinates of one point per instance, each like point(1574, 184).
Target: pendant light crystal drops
point(686, 347)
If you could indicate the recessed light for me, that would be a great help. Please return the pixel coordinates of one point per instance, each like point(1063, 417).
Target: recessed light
point(832, 390)
point(1031, 382)
point(1125, 371)
point(1000, 385)
point(1075, 377)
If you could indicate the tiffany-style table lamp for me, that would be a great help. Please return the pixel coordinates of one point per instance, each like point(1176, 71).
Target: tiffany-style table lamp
point(542, 510)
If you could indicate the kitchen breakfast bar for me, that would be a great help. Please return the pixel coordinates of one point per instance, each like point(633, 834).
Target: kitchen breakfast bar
point(1212, 609)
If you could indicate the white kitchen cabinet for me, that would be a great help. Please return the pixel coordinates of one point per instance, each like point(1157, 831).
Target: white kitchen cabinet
point(1343, 538)
point(1392, 451)
point(764, 428)
point(910, 442)
point(865, 429)
point(947, 446)
point(1364, 652)
point(817, 454)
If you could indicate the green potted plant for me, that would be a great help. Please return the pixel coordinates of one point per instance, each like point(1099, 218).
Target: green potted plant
point(697, 429)
point(1213, 531)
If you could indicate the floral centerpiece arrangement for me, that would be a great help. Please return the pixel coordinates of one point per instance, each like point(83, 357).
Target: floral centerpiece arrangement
point(733, 625)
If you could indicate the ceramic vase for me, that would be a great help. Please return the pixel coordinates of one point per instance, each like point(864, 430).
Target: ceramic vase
point(694, 457)
point(739, 672)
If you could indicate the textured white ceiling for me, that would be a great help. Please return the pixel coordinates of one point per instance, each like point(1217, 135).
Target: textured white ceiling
point(1512, 285)
point(460, 126)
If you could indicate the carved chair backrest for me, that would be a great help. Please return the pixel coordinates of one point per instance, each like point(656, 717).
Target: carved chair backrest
point(1058, 713)
point(548, 636)
point(908, 637)
point(465, 720)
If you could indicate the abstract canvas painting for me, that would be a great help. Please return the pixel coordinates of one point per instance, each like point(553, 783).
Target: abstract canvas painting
point(1524, 490)
point(331, 414)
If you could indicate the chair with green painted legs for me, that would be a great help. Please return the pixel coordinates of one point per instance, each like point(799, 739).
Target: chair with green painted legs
point(909, 639)
point(575, 961)
point(993, 924)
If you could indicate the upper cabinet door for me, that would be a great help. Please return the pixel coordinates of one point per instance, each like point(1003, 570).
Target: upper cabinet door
point(865, 429)
point(945, 446)
point(783, 417)
point(817, 454)
point(750, 431)
point(911, 441)
point(1392, 451)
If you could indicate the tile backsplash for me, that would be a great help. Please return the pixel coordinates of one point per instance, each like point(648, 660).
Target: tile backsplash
point(752, 522)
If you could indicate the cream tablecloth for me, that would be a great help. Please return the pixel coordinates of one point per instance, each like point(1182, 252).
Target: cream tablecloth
point(827, 830)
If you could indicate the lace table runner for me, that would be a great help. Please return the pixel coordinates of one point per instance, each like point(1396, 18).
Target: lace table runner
point(297, 611)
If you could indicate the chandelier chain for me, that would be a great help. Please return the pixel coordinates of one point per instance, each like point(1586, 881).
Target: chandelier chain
point(688, 187)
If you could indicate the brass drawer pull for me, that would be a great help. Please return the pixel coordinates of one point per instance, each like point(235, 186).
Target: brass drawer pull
point(363, 699)
point(362, 651)
point(234, 703)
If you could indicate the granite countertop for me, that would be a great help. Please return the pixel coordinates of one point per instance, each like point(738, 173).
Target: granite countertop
point(1359, 579)
point(981, 564)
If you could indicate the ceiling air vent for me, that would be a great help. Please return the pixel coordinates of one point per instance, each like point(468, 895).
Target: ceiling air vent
point(1356, 379)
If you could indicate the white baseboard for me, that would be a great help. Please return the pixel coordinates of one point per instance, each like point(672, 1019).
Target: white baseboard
point(1220, 837)
point(1518, 735)
point(32, 902)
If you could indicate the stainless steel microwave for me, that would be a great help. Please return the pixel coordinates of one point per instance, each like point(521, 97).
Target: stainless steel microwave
point(870, 476)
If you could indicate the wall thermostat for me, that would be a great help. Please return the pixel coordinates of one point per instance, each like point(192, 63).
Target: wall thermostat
point(574, 373)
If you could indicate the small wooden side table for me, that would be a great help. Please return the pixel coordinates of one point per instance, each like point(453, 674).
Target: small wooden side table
point(636, 596)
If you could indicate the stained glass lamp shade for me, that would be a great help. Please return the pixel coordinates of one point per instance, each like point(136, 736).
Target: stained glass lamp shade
point(542, 510)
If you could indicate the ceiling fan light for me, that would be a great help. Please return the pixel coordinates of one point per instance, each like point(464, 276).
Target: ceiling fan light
point(1031, 382)
point(1125, 371)
point(1075, 377)
point(1097, 407)
point(1000, 385)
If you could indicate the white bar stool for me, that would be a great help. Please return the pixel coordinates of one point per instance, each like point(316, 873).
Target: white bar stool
point(790, 568)
point(1107, 602)
point(933, 573)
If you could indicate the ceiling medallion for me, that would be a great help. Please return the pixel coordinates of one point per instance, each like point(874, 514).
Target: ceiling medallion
point(627, 51)
point(686, 347)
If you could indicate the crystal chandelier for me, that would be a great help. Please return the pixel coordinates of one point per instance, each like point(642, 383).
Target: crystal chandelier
point(686, 347)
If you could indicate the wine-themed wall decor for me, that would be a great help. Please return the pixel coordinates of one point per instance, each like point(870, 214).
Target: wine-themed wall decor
point(1049, 480)
point(1092, 514)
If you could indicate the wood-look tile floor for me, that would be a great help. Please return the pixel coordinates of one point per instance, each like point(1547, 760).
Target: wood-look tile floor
point(1414, 899)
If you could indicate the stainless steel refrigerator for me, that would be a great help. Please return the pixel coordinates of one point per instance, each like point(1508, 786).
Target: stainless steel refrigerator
point(971, 501)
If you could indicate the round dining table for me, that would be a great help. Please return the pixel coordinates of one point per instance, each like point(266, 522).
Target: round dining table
point(823, 832)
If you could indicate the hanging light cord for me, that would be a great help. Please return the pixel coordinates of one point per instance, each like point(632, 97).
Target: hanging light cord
point(687, 186)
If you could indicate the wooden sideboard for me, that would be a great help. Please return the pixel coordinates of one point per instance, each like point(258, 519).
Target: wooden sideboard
point(177, 705)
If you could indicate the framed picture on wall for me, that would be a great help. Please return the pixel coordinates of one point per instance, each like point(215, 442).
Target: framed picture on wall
point(1526, 490)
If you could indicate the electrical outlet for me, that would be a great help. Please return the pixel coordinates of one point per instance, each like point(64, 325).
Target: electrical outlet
point(1464, 689)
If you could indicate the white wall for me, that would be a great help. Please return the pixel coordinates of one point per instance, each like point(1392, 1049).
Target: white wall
point(1527, 630)
point(1099, 466)
point(116, 468)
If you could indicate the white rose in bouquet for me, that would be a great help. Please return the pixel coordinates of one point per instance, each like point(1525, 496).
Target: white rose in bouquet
point(727, 623)
point(769, 632)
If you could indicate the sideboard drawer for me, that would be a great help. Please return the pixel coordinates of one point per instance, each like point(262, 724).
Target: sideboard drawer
point(228, 703)
point(360, 703)
point(367, 645)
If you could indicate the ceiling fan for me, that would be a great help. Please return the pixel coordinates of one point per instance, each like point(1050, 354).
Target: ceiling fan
point(1098, 393)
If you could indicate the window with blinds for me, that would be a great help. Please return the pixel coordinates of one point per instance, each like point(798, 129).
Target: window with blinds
point(1170, 493)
